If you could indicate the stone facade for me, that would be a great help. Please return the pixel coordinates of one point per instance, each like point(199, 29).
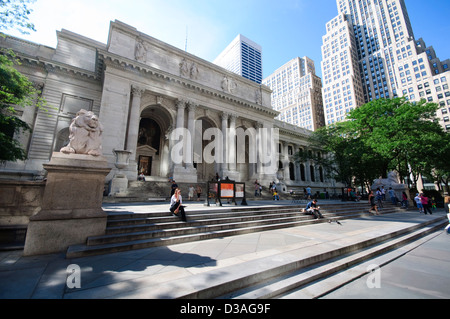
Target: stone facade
point(142, 91)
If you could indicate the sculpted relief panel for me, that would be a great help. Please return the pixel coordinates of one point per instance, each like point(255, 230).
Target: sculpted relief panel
point(177, 62)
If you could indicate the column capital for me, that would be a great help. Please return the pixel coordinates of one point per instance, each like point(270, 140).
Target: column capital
point(258, 125)
point(224, 116)
point(181, 104)
point(137, 91)
point(191, 106)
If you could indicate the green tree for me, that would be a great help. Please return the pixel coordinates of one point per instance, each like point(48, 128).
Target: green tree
point(16, 91)
point(402, 132)
point(383, 135)
point(347, 158)
point(14, 15)
point(439, 169)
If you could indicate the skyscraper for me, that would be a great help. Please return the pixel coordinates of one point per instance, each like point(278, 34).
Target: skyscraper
point(370, 52)
point(244, 57)
point(297, 93)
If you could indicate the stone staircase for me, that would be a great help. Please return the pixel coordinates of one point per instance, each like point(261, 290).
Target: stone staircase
point(314, 276)
point(128, 231)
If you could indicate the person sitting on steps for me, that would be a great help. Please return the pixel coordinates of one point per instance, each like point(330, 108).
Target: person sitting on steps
point(313, 209)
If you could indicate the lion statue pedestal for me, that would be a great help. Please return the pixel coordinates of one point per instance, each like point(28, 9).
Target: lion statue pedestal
point(391, 181)
point(72, 201)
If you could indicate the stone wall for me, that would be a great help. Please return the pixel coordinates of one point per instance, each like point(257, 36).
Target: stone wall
point(19, 200)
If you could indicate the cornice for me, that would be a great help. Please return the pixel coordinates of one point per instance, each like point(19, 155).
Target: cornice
point(57, 67)
point(125, 64)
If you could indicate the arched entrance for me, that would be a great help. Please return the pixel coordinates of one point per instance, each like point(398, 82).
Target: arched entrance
point(148, 146)
point(152, 151)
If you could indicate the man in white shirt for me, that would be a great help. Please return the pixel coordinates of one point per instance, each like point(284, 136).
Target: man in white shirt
point(418, 203)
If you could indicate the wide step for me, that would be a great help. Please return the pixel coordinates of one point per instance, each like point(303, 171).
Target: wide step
point(130, 231)
point(293, 271)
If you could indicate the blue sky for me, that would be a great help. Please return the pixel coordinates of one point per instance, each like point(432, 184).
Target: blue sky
point(284, 28)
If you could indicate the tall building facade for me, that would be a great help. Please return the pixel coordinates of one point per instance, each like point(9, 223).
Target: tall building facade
point(297, 93)
point(244, 57)
point(370, 52)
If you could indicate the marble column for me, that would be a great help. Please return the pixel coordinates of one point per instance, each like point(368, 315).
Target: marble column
point(259, 165)
point(134, 121)
point(232, 144)
point(180, 173)
point(224, 165)
point(298, 174)
point(181, 105)
point(285, 161)
point(191, 128)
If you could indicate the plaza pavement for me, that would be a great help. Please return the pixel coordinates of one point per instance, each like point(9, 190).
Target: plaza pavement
point(421, 273)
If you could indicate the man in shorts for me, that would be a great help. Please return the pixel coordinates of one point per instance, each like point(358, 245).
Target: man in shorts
point(419, 203)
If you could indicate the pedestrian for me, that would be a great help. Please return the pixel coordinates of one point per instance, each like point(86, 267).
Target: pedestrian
point(379, 197)
point(433, 204)
point(404, 200)
point(256, 189)
point(173, 187)
point(191, 192)
point(176, 206)
point(373, 205)
point(425, 203)
point(312, 208)
point(383, 193)
point(275, 195)
point(199, 192)
point(308, 192)
point(393, 196)
point(418, 203)
point(352, 195)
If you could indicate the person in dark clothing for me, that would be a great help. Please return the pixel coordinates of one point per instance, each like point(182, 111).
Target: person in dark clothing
point(313, 209)
point(173, 187)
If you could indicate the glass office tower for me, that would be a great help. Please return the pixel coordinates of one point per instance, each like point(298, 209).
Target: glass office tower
point(244, 57)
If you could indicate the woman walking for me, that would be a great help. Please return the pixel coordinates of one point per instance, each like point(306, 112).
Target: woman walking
point(425, 204)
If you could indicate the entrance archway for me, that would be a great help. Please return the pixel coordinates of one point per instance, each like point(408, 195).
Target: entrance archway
point(152, 151)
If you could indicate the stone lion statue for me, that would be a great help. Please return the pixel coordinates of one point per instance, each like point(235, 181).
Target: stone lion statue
point(85, 135)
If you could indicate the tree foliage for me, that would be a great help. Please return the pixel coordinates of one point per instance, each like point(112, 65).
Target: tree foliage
point(16, 91)
point(14, 15)
point(385, 134)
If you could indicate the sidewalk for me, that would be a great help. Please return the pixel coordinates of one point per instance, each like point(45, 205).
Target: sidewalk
point(424, 271)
